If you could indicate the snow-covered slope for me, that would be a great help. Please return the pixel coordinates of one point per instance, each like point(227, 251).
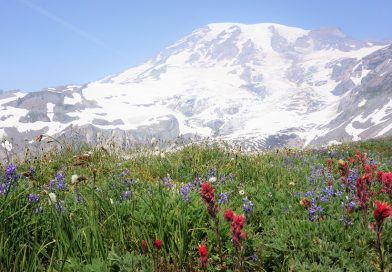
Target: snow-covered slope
point(261, 85)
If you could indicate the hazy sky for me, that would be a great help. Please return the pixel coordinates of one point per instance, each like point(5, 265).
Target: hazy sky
point(47, 43)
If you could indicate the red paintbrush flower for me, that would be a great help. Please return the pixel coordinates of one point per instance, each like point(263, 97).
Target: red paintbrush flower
point(330, 164)
point(203, 253)
point(207, 193)
point(236, 229)
point(228, 215)
point(144, 246)
point(158, 244)
point(382, 211)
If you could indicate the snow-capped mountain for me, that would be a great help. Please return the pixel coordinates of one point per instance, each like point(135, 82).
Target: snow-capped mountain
point(262, 85)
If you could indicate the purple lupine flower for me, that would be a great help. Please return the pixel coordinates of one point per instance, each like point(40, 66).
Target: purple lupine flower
point(329, 190)
point(33, 198)
point(247, 206)
point(352, 204)
point(185, 192)
point(10, 170)
point(125, 195)
point(308, 194)
point(167, 181)
point(324, 198)
point(253, 257)
point(223, 197)
point(31, 170)
point(213, 172)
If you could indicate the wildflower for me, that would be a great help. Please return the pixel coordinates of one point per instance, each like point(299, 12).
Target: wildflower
point(228, 215)
point(74, 179)
point(223, 197)
point(241, 192)
point(158, 244)
point(212, 179)
point(125, 195)
point(305, 202)
point(382, 211)
point(207, 193)
point(33, 198)
point(213, 172)
point(144, 246)
point(330, 164)
point(237, 225)
point(111, 201)
point(308, 194)
point(52, 198)
point(253, 257)
point(10, 170)
point(203, 253)
point(291, 184)
point(222, 178)
point(185, 192)
point(386, 179)
point(167, 181)
point(31, 170)
point(247, 206)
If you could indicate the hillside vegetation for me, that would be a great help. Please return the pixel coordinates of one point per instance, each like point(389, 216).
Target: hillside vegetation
point(203, 208)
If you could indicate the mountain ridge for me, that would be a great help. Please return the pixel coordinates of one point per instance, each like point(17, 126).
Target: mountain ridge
point(260, 85)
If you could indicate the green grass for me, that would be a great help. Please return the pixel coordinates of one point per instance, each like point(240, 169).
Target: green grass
point(95, 227)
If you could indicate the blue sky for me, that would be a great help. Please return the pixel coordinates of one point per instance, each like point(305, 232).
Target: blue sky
point(47, 43)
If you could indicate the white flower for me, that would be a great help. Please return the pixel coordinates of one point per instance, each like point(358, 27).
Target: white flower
point(163, 155)
point(212, 179)
point(52, 198)
point(74, 179)
point(111, 201)
point(241, 192)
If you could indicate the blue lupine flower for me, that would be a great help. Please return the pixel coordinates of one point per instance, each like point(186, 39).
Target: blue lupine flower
point(352, 204)
point(247, 206)
point(33, 198)
point(222, 178)
point(298, 194)
point(223, 197)
point(324, 198)
point(167, 181)
point(10, 170)
point(212, 172)
point(125, 195)
point(185, 192)
point(308, 194)
point(31, 170)
point(253, 257)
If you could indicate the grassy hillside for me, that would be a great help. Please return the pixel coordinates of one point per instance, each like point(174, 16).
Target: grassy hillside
point(93, 210)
